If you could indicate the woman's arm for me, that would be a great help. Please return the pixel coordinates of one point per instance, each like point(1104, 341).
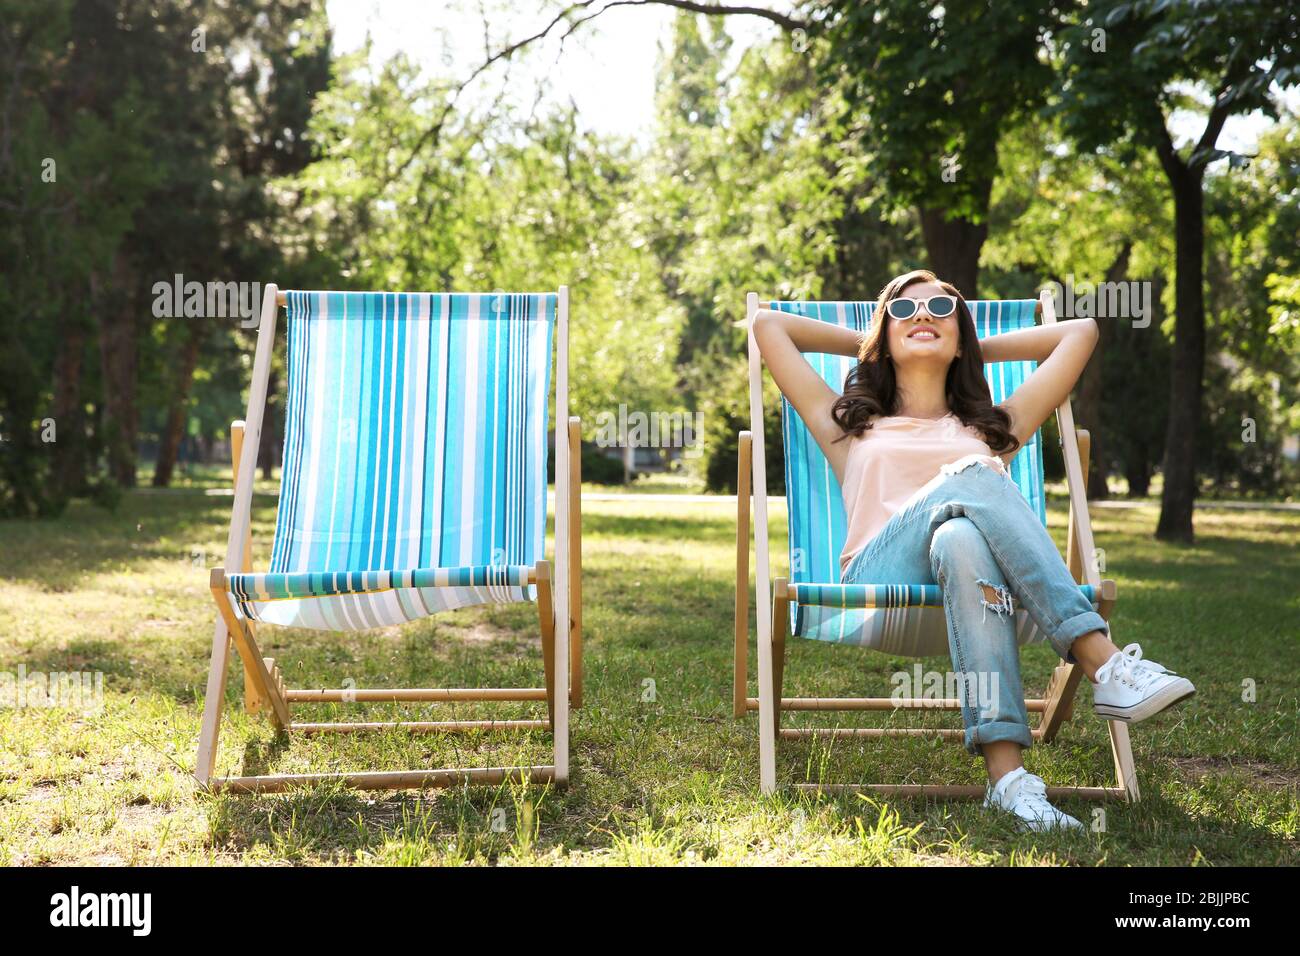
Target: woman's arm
point(782, 338)
point(1061, 351)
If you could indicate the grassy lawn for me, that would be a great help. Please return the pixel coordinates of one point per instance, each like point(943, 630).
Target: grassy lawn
point(662, 772)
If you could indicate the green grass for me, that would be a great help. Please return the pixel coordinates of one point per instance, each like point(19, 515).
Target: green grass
point(661, 771)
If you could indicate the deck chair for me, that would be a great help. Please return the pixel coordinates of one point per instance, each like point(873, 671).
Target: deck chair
point(413, 481)
point(897, 617)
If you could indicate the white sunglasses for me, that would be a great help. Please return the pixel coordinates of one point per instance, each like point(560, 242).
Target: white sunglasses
point(939, 306)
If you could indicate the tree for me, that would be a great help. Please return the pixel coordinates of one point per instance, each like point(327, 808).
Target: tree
point(1253, 340)
point(1078, 219)
point(136, 139)
point(936, 87)
point(756, 161)
point(502, 199)
point(932, 87)
point(1127, 66)
point(267, 61)
point(71, 180)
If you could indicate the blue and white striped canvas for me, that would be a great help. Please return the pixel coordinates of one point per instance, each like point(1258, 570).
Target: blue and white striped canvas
point(817, 520)
point(415, 451)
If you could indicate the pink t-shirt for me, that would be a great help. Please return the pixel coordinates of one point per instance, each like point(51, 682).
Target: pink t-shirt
point(893, 460)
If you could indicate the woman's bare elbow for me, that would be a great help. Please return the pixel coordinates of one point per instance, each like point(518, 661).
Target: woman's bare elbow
point(766, 324)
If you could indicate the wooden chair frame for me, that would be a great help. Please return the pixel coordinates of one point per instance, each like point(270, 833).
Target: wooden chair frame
point(773, 601)
point(264, 686)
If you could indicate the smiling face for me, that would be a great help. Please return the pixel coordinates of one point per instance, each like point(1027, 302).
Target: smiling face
point(898, 356)
point(924, 337)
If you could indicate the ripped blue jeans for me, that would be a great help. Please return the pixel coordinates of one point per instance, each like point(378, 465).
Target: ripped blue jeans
point(967, 528)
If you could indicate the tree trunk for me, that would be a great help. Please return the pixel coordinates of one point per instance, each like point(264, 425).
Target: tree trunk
point(1088, 410)
point(178, 413)
point(69, 416)
point(268, 451)
point(117, 355)
point(22, 488)
point(954, 245)
point(954, 248)
point(1138, 474)
point(1187, 365)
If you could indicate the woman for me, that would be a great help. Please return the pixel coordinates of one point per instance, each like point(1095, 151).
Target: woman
point(920, 452)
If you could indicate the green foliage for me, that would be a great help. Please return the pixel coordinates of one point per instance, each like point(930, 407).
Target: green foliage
point(597, 467)
point(1135, 394)
point(600, 469)
point(1120, 90)
point(137, 136)
point(497, 201)
point(106, 493)
point(1058, 212)
point(726, 413)
point(70, 182)
point(1252, 301)
point(935, 81)
point(1127, 67)
point(792, 169)
point(757, 160)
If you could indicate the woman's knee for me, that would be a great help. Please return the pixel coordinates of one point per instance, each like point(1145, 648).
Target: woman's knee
point(959, 547)
point(954, 537)
point(957, 543)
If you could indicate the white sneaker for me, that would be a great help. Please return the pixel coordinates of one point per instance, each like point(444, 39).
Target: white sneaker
point(1131, 689)
point(1025, 795)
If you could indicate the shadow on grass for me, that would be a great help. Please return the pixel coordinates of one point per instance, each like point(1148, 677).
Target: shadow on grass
point(329, 823)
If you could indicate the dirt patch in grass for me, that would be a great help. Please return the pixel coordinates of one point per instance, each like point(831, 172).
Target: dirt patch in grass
point(1258, 771)
point(140, 818)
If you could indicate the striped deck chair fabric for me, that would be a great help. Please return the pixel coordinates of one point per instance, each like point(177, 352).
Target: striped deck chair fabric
point(896, 617)
point(414, 470)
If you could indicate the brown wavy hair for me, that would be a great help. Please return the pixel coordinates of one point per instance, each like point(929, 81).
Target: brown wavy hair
point(871, 387)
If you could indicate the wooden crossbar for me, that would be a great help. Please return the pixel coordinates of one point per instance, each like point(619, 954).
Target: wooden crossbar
point(386, 780)
point(420, 726)
point(266, 675)
point(955, 791)
point(254, 663)
point(797, 733)
point(949, 733)
point(877, 703)
point(436, 694)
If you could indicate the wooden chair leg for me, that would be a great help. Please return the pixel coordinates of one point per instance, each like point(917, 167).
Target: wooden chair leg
point(205, 762)
point(1064, 683)
point(1061, 689)
point(740, 667)
point(253, 703)
point(1122, 752)
point(263, 680)
point(1120, 747)
point(575, 560)
point(780, 629)
point(546, 621)
point(1073, 553)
